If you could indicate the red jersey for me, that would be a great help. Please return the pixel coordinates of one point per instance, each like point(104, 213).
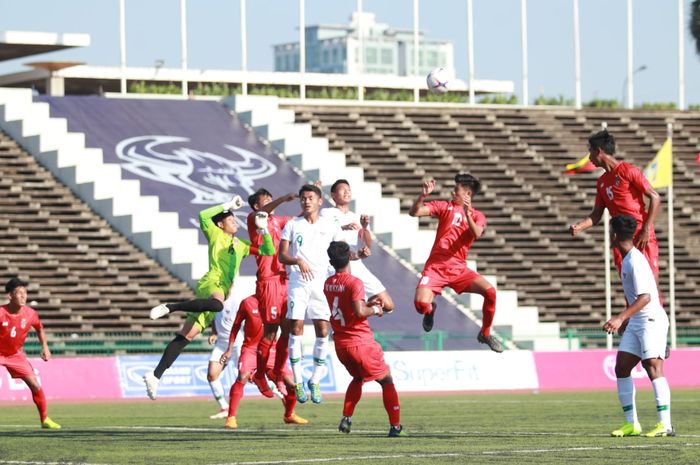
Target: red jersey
point(621, 191)
point(268, 266)
point(341, 290)
point(453, 238)
point(14, 328)
point(248, 312)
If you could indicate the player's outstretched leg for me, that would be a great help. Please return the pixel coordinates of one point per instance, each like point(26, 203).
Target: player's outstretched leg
point(192, 306)
point(488, 311)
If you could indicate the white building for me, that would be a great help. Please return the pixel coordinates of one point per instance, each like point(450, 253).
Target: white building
point(334, 49)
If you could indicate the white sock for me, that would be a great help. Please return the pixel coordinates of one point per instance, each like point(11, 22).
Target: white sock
point(662, 393)
point(218, 390)
point(295, 352)
point(625, 393)
point(320, 354)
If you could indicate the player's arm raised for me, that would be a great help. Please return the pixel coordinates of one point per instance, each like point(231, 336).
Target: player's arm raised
point(418, 208)
point(269, 208)
point(591, 220)
point(366, 234)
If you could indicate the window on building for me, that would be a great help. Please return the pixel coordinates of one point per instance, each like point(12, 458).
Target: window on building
point(387, 56)
point(370, 56)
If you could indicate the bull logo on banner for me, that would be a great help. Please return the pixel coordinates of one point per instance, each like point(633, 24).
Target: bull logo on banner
point(210, 177)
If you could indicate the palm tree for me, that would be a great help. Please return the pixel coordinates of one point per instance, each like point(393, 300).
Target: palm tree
point(695, 23)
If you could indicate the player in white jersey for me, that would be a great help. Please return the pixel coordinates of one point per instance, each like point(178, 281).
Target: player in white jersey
point(643, 338)
point(221, 329)
point(303, 249)
point(355, 231)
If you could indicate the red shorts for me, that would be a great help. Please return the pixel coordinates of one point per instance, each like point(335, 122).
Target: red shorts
point(436, 278)
point(17, 364)
point(365, 361)
point(248, 360)
point(651, 252)
point(272, 298)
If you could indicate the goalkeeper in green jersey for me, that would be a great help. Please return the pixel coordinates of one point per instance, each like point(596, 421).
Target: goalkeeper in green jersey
point(226, 251)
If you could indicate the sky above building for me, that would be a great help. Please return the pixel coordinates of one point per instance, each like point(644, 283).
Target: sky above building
point(153, 33)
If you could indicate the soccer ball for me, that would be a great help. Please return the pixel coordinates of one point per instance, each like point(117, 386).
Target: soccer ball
point(438, 80)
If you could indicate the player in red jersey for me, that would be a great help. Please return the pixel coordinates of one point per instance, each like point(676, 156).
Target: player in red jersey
point(249, 313)
point(16, 319)
point(270, 290)
point(354, 341)
point(622, 190)
point(459, 226)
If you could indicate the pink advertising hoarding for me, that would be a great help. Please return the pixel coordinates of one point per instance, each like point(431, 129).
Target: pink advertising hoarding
point(66, 379)
point(595, 369)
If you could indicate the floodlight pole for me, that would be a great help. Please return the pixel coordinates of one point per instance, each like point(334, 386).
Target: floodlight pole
point(681, 56)
point(671, 247)
point(608, 288)
point(302, 51)
point(360, 52)
point(470, 49)
point(244, 49)
point(183, 44)
point(630, 64)
point(122, 48)
point(523, 43)
point(577, 57)
point(416, 67)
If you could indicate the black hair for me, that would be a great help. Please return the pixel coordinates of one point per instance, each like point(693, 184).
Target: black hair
point(221, 216)
point(14, 283)
point(339, 182)
point(339, 253)
point(467, 180)
point(310, 188)
point(602, 140)
point(255, 196)
point(624, 227)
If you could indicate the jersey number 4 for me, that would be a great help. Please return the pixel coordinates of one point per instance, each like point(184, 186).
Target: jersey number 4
point(336, 314)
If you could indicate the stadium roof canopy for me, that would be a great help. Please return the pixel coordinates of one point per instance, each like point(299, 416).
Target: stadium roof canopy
point(20, 44)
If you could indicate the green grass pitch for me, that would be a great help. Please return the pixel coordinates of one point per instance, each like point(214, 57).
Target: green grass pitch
point(569, 428)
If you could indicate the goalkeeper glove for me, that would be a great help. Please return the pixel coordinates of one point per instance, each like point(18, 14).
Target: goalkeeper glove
point(235, 203)
point(261, 222)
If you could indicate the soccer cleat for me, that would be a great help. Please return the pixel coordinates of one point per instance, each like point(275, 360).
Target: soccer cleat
point(429, 319)
point(48, 423)
point(263, 387)
point(493, 343)
point(660, 431)
point(231, 423)
point(300, 392)
point(345, 425)
point(223, 413)
point(627, 429)
point(295, 419)
point(395, 432)
point(315, 390)
point(151, 385)
point(159, 311)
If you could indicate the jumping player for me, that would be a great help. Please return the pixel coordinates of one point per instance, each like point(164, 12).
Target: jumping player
point(249, 313)
point(16, 319)
point(644, 337)
point(220, 331)
point(226, 251)
point(459, 226)
point(354, 341)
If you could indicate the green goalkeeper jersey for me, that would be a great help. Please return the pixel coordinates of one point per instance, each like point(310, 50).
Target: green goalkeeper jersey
point(226, 252)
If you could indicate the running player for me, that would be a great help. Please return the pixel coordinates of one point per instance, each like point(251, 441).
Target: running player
point(357, 234)
point(270, 290)
point(622, 189)
point(644, 338)
point(16, 319)
point(249, 313)
point(354, 341)
point(459, 226)
point(304, 241)
point(226, 251)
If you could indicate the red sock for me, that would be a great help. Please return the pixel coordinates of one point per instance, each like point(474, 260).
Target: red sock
point(263, 354)
point(235, 397)
point(488, 310)
point(281, 354)
point(352, 397)
point(391, 404)
point(424, 308)
point(290, 401)
point(40, 401)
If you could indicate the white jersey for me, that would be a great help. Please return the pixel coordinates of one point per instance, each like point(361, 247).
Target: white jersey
point(637, 279)
point(224, 322)
point(310, 241)
point(353, 237)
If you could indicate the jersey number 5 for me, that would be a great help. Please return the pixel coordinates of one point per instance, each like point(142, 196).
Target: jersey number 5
point(336, 314)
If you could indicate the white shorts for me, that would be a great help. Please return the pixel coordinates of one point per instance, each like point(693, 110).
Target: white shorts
point(306, 299)
point(646, 339)
point(372, 284)
point(221, 346)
